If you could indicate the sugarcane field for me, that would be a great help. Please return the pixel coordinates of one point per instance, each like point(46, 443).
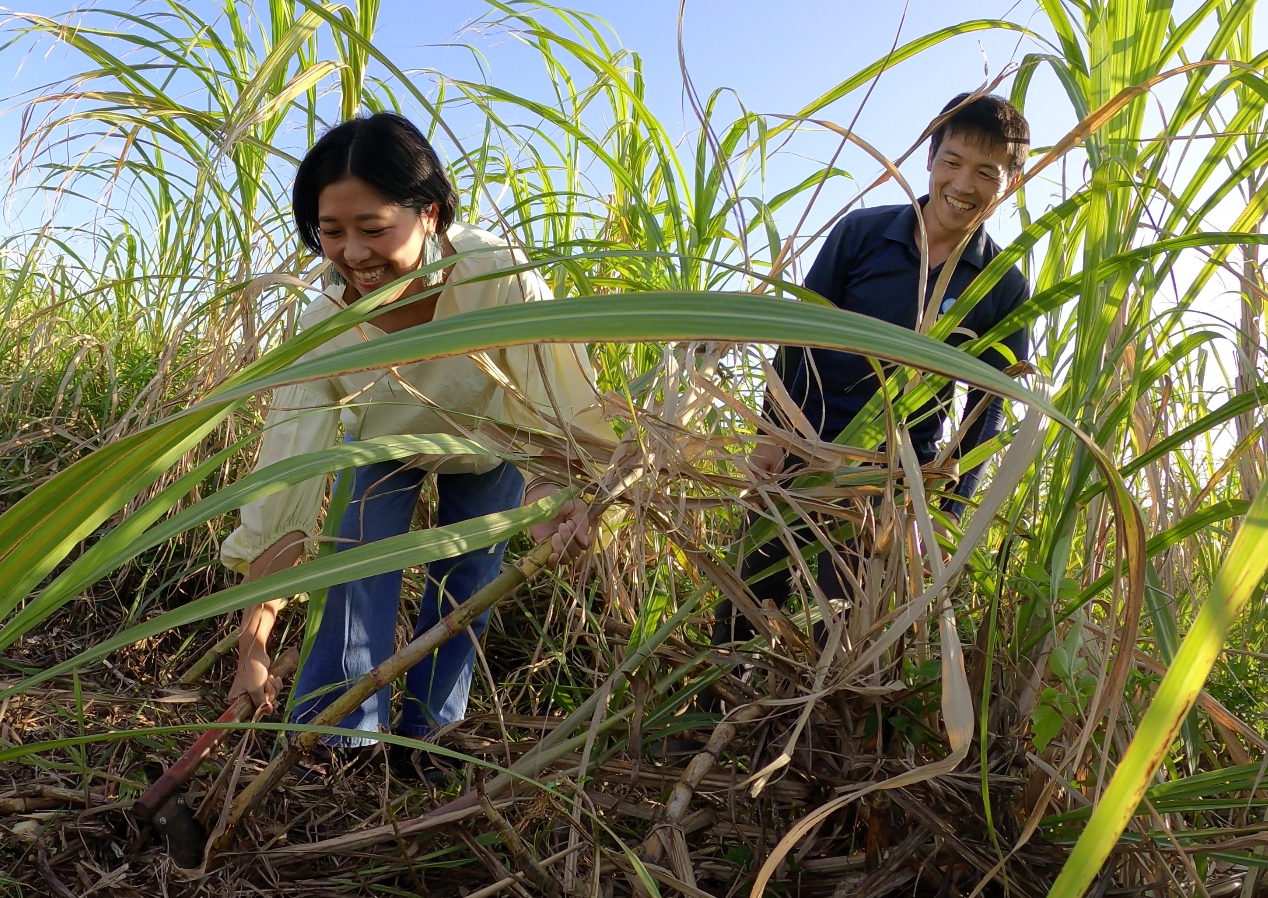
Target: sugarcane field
point(670, 449)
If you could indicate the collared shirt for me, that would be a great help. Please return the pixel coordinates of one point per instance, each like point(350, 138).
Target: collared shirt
point(871, 264)
point(438, 396)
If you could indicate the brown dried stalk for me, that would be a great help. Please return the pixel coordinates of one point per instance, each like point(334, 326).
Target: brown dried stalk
point(654, 846)
point(538, 875)
point(25, 799)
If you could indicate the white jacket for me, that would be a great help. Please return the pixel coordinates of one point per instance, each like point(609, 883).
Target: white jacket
point(444, 396)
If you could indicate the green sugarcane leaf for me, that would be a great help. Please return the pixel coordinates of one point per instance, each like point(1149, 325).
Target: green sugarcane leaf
point(1159, 542)
point(654, 317)
point(131, 538)
point(1240, 577)
point(392, 554)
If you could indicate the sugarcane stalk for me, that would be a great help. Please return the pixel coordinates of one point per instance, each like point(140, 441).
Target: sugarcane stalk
point(653, 848)
point(557, 744)
point(199, 668)
point(512, 576)
point(176, 776)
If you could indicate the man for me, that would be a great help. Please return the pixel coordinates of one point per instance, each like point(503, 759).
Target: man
point(871, 264)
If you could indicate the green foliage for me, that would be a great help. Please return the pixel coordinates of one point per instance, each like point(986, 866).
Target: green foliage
point(132, 354)
point(1058, 705)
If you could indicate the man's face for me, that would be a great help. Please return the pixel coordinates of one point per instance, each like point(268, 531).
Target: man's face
point(966, 179)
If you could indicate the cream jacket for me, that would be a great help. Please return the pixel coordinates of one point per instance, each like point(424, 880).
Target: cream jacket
point(442, 396)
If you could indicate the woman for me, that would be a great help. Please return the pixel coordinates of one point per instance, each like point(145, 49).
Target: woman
point(373, 199)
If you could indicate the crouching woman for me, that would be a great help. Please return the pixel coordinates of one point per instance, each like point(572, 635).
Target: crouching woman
point(372, 198)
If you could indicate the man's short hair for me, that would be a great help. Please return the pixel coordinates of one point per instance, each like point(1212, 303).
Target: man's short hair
point(991, 120)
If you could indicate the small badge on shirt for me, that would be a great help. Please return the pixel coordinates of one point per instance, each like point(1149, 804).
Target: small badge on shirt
point(946, 304)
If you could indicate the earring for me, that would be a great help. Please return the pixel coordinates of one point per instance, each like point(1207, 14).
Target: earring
point(432, 253)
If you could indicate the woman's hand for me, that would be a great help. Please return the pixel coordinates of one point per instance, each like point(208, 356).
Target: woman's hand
point(253, 677)
point(568, 532)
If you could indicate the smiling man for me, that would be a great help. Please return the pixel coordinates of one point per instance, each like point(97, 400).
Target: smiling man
point(871, 264)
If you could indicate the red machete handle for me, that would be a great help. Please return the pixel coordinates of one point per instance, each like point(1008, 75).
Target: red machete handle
point(176, 776)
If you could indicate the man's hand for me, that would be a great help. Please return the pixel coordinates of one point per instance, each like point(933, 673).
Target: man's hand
point(569, 532)
point(253, 677)
point(768, 458)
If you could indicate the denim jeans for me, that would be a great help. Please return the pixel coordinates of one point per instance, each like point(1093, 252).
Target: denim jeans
point(358, 626)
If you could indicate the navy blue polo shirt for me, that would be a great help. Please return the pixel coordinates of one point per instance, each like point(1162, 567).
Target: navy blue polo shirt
point(871, 264)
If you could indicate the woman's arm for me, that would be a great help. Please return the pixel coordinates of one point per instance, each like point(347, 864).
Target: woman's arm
point(302, 418)
point(257, 621)
point(274, 528)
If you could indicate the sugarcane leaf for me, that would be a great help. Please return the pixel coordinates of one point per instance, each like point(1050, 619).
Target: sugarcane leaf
point(391, 554)
point(130, 538)
point(1240, 578)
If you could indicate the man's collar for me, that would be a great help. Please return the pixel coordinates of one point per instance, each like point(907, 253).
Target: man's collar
point(903, 230)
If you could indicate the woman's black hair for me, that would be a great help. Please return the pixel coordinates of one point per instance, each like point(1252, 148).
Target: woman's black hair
point(388, 153)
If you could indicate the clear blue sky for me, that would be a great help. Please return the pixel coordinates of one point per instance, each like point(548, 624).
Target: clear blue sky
point(776, 56)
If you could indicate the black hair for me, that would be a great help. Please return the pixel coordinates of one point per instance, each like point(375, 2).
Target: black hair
point(387, 152)
point(991, 120)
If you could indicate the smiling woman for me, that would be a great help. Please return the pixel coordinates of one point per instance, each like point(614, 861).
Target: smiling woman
point(372, 198)
point(372, 242)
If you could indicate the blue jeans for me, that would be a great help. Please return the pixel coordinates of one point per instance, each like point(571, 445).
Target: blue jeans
point(358, 626)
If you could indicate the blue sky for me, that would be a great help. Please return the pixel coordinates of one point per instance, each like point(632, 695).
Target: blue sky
point(776, 57)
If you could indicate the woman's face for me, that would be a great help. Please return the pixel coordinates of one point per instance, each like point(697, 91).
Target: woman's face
point(371, 241)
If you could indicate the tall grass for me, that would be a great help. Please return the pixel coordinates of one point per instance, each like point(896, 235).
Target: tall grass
point(132, 356)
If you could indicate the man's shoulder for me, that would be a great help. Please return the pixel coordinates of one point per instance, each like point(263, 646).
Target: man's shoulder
point(861, 227)
point(1013, 281)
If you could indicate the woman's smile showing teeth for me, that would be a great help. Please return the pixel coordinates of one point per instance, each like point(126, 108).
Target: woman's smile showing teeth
point(370, 275)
